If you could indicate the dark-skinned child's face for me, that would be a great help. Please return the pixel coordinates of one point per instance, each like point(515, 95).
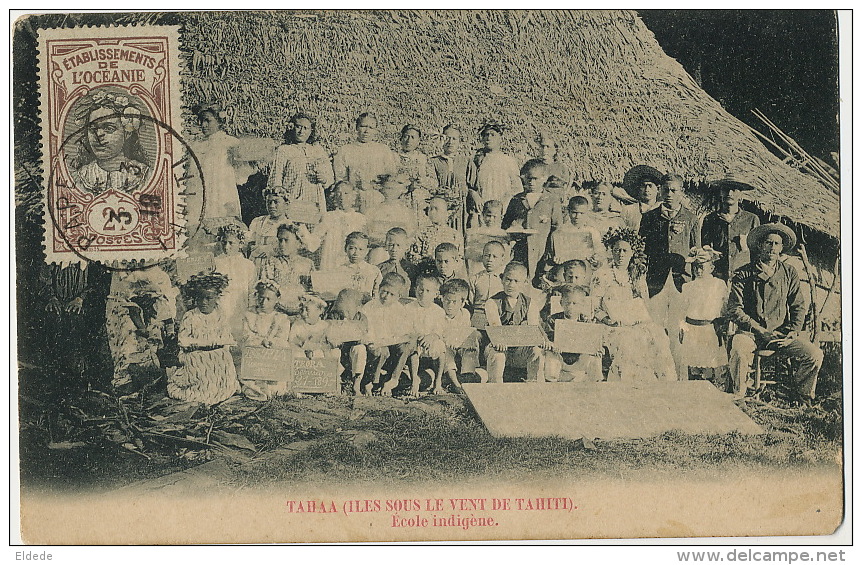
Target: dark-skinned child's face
point(357, 250)
point(266, 300)
point(276, 206)
point(453, 302)
point(390, 294)
point(426, 291)
point(447, 263)
point(207, 301)
point(513, 282)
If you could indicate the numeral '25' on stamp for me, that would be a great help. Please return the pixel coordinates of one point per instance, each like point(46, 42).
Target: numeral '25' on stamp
point(114, 166)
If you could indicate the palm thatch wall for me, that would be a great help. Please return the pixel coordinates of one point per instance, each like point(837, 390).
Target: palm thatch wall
point(598, 80)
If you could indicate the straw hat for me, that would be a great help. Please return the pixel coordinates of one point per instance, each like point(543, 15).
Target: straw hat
point(758, 233)
point(637, 175)
point(731, 182)
point(700, 255)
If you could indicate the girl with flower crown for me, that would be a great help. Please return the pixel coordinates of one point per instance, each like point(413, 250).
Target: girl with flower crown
point(703, 298)
point(639, 348)
point(110, 156)
point(301, 167)
point(206, 372)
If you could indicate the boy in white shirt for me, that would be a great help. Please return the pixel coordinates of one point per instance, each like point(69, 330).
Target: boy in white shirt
point(488, 282)
point(389, 338)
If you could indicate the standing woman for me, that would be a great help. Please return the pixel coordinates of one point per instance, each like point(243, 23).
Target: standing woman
point(216, 153)
point(301, 167)
point(497, 175)
point(363, 163)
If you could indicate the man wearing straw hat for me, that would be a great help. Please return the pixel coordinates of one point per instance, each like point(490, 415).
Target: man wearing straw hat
point(769, 309)
point(726, 229)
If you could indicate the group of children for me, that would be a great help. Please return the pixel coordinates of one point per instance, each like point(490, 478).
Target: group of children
point(386, 256)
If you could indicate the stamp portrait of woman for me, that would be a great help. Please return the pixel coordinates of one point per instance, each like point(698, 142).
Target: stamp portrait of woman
point(110, 154)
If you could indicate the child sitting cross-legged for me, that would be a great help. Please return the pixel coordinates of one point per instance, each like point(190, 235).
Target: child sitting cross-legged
point(511, 307)
point(264, 326)
point(429, 321)
point(572, 367)
point(206, 373)
point(389, 341)
point(458, 359)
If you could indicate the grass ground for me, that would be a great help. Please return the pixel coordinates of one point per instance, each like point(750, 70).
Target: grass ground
point(108, 443)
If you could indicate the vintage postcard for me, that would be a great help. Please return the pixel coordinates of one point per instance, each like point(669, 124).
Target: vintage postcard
point(396, 275)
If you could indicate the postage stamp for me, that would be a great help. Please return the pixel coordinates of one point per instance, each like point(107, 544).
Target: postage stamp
point(114, 165)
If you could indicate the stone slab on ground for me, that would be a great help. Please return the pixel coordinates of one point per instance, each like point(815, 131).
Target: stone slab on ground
point(606, 410)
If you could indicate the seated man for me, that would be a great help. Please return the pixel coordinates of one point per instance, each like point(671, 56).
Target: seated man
point(769, 310)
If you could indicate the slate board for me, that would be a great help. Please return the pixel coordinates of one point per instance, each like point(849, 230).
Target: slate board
point(606, 410)
point(516, 336)
point(577, 337)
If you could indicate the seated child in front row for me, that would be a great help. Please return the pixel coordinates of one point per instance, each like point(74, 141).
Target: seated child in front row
point(264, 326)
point(389, 341)
point(348, 306)
point(572, 367)
point(511, 307)
point(308, 333)
point(460, 357)
point(429, 321)
point(366, 277)
point(206, 373)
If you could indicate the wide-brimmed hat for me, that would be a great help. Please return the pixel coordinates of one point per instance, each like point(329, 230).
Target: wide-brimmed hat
point(758, 233)
point(731, 182)
point(637, 175)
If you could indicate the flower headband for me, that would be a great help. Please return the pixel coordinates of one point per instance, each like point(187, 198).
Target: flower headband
point(130, 115)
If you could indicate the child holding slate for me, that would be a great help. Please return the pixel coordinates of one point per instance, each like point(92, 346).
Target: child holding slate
point(564, 366)
point(389, 343)
point(511, 307)
point(265, 327)
point(453, 296)
point(336, 224)
point(308, 333)
point(206, 373)
point(429, 321)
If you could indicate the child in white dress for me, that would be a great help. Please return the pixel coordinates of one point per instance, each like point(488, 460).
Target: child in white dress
point(703, 299)
point(241, 274)
point(206, 373)
point(336, 224)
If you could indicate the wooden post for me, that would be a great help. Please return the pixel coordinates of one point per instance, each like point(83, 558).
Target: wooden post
point(812, 287)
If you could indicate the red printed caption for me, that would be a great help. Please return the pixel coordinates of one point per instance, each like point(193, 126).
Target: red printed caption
point(464, 513)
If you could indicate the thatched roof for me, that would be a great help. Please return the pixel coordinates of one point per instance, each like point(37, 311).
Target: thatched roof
point(598, 80)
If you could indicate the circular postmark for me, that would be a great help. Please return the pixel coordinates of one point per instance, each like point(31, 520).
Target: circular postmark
point(110, 202)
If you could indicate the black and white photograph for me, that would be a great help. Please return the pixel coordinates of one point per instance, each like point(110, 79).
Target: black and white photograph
point(345, 276)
